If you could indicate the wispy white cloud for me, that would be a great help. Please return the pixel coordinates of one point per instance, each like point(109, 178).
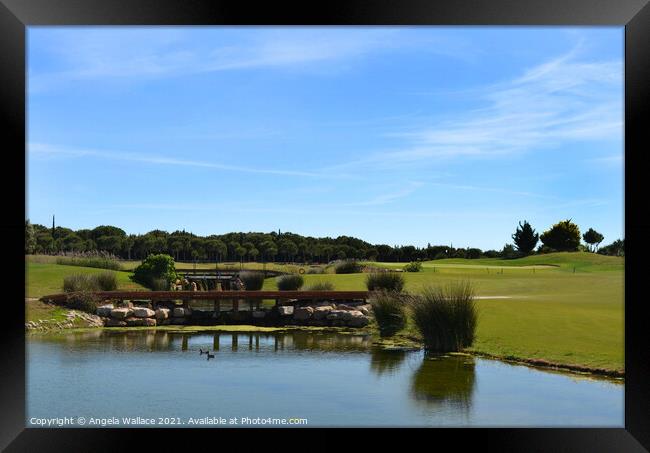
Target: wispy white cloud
point(558, 101)
point(48, 150)
point(142, 54)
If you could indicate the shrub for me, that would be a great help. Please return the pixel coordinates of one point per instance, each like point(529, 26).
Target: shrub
point(159, 284)
point(289, 282)
point(386, 281)
point(446, 316)
point(253, 281)
point(79, 282)
point(97, 262)
point(321, 286)
point(105, 281)
point(414, 266)
point(155, 267)
point(83, 301)
point(389, 310)
point(316, 270)
point(347, 267)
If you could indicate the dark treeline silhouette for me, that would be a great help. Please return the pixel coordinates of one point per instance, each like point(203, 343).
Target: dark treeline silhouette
point(185, 246)
point(252, 246)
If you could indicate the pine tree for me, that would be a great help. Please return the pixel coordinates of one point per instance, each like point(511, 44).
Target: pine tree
point(525, 238)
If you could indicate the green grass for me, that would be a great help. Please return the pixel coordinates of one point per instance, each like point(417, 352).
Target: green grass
point(44, 278)
point(553, 314)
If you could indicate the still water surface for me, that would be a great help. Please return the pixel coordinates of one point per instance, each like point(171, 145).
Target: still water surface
point(328, 379)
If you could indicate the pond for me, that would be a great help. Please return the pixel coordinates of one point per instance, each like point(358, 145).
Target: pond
point(320, 379)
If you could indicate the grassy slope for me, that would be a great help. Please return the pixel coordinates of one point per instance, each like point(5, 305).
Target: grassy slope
point(45, 279)
point(553, 314)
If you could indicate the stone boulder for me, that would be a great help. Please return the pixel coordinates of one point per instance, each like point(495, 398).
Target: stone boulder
point(321, 312)
point(358, 319)
point(339, 315)
point(179, 312)
point(112, 322)
point(133, 322)
point(121, 313)
point(302, 313)
point(148, 322)
point(142, 312)
point(345, 307)
point(259, 314)
point(162, 313)
point(285, 310)
point(105, 310)
point(365, 309)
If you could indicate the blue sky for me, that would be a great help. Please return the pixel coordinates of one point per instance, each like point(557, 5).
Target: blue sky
point(395, 135)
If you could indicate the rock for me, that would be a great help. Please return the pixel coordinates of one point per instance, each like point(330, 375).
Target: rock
point(105, 310)
point(302, 313)
point(143, 312)
point(344, 307)
point(162, 313)
point(259, 314)
point(365, 309)
point(121, 313)
point(358, 319)
point(179, 312)
point(149, 322)
point(125, 304)
point(285, 310)
point(112, 322)
point(177, 321)
point(318, 322)
point(321, 312)
point(132, 322)
point(339, 315)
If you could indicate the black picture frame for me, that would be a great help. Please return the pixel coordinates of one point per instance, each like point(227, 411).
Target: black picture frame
point(16, 15)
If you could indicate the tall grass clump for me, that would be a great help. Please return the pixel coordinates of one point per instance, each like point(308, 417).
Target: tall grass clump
point(83, 301)
point(105, 281)
point(446, 316)
point(93, 261)
point(79, 282)
point(385, 281)
point(290, 282)
point(253, 281)
point(347, 267)
point(321, 286)
point(389, 308)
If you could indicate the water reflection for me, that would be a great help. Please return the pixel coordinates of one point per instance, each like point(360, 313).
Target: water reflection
point(154, 341)
point(384, 361)
point(444, 381)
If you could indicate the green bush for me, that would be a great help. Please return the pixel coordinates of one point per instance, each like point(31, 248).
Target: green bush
point(83, 301)
point(159, 284)
point(105, 281)
point(446, 316)
point(389, 309)
point(414, 266)
point(347, 267)
point(385, 281)
point(253, 281)
point(79, 282)
point(321, 286)
point(291, 282)
point(155, 267)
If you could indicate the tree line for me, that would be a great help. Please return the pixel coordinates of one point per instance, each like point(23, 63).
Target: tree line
point(291, 247)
